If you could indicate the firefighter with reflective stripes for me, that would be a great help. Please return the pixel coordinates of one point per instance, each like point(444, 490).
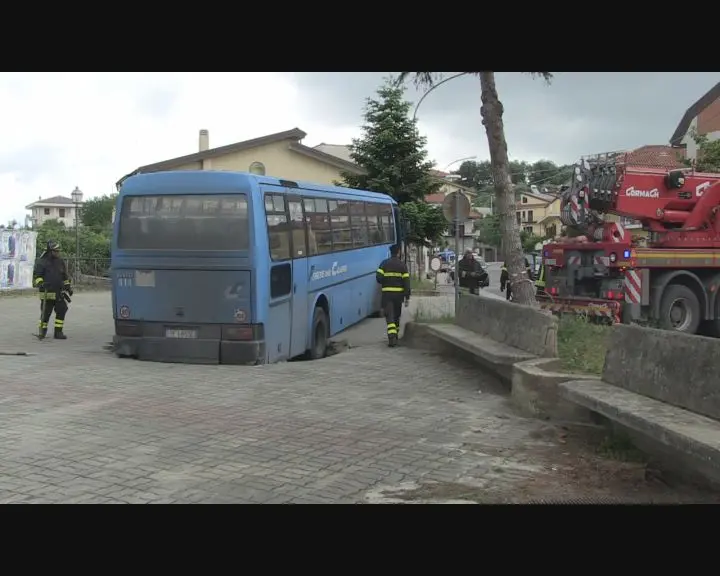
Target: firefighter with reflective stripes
point(394, 278)
point(503, 277)
point(540, 282)
point(51, 278)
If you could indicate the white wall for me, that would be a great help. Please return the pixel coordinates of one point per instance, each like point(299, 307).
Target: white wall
point(39, 216)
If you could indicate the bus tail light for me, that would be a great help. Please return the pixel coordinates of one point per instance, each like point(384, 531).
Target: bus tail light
point(243, 332)
point(125, 328)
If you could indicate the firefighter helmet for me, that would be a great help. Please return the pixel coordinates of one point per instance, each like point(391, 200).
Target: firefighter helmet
point(52, 245)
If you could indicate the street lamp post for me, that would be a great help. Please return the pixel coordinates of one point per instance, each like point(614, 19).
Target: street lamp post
point(452, 177)
point(77, 197)
point(425, 94)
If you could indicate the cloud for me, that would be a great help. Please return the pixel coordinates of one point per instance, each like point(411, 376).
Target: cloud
point(62, 130)
point(578, 113)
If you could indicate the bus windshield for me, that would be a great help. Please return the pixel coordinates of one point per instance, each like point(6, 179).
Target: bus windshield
point(184, 222)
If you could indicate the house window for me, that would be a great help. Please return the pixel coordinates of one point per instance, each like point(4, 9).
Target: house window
point(530, 216)
point(257, 168)
point(62, 212)
point(46, 211)
point(528, 229)
point(517, 215)
point(524, 199)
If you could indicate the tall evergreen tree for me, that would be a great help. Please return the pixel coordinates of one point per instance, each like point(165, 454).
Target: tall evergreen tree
point(391, 150)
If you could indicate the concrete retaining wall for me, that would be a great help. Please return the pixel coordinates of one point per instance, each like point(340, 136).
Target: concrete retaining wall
point(679, 369)
point(535, 392)
point(529, 329)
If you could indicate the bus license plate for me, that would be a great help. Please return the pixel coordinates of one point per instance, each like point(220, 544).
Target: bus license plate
point(176, 333)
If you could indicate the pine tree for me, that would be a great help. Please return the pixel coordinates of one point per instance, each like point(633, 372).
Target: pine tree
point(391, 150)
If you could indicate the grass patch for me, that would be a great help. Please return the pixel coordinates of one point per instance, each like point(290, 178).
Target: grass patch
point(582, 345)
point(619, 447)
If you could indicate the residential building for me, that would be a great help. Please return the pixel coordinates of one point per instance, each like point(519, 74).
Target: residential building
point(339, 150)
point(703, 118)
point(530, 212)
point(550, 223)
point(281, 155)
point(60, 208)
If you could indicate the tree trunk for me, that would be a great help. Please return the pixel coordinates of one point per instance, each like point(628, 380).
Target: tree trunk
point(491, 111)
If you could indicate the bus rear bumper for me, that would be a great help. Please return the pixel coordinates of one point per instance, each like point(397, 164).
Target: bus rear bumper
point(190, 351)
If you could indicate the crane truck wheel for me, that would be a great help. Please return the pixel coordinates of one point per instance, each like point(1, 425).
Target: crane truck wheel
point(679, 309)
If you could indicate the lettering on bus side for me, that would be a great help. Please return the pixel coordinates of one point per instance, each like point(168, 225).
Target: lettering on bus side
point(334, 270)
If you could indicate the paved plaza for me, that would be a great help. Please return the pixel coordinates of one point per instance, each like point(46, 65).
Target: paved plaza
point(371, 424)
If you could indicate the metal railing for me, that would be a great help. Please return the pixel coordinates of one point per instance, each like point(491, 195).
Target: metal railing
point(88, 270)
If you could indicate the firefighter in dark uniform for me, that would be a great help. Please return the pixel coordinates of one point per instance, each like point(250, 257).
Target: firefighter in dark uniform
point(394, 278)
point(51, 278)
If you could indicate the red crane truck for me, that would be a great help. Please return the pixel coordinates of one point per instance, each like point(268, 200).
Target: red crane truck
point(670, 282)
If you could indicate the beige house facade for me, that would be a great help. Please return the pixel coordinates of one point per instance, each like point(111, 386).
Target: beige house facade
point(531, 212)
point(280, 155)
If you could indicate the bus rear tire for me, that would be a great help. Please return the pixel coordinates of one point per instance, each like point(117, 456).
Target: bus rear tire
point(319, 335)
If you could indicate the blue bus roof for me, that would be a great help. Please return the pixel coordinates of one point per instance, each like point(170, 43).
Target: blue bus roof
point(212, 182)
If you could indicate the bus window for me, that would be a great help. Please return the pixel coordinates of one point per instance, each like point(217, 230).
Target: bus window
point(374, 228)
point(340, 219)
point(297, 225)
point(184, 222)
point(385, 211)
point(358, 222)
point(318, 220)
point(278, 230)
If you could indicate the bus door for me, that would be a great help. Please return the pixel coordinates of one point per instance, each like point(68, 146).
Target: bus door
point(279, 320)
point(299, 304)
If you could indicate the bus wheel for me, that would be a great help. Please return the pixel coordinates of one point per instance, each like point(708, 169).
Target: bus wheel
point(680, 309)
point(320, 331)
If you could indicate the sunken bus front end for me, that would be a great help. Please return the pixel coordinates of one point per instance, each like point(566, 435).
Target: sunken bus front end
point(182, 270)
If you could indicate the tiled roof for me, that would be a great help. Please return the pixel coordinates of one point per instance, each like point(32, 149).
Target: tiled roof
point(59, 200)
point(435, 198)
point(655, 156)
point(539, 196)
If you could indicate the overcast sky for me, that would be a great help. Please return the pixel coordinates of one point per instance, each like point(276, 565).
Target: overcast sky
point(60, 130)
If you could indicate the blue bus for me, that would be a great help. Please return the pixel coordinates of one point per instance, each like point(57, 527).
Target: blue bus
point(236, 268)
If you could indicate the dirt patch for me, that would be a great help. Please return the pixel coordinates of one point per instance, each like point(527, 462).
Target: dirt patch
point(588, 464)
point(556, 465)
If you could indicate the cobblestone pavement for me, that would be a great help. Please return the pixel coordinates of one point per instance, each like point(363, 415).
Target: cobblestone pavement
point(79, 425)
